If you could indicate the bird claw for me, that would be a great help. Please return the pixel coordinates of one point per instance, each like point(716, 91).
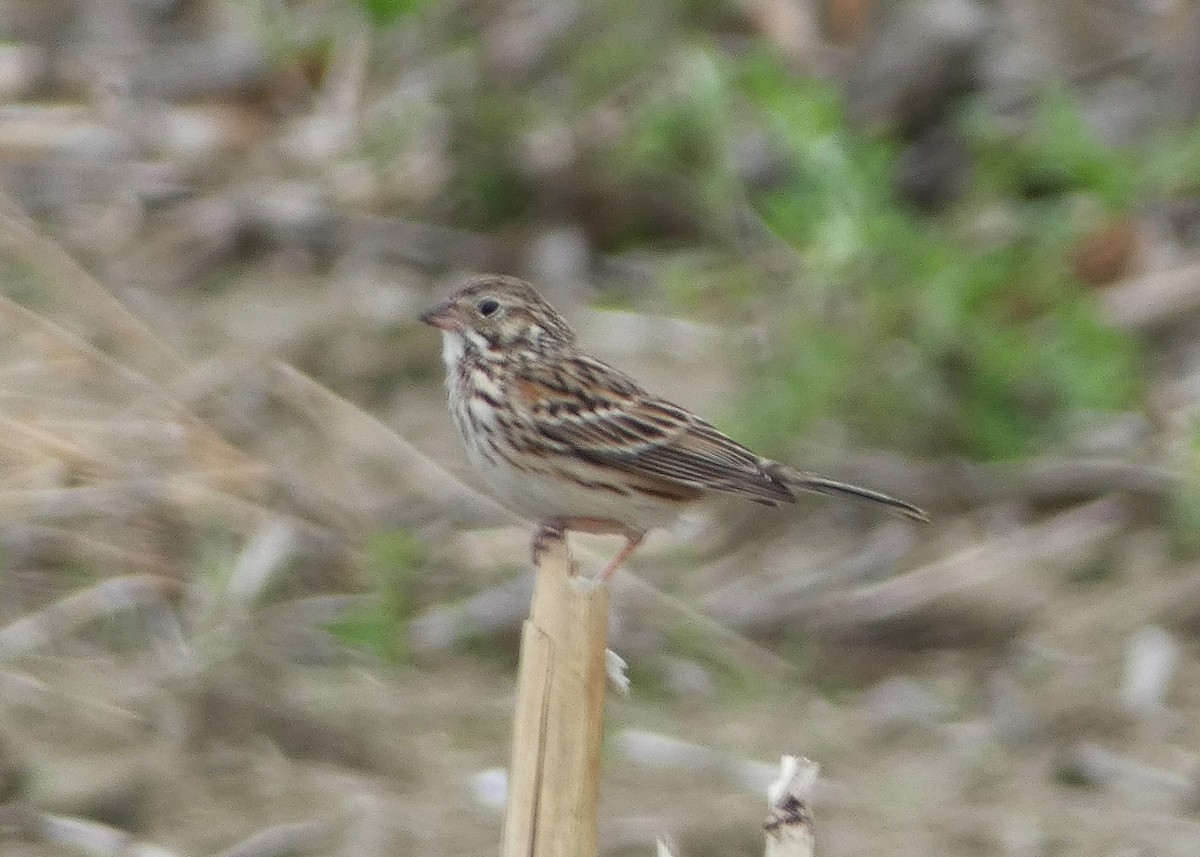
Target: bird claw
point(544, 538)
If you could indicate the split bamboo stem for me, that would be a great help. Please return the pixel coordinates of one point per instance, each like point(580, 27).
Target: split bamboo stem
point(554, 774)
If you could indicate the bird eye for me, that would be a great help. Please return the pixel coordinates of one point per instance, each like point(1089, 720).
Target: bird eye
point(488, 306)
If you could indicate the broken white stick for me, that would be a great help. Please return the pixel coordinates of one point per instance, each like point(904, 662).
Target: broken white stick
point(789, 827)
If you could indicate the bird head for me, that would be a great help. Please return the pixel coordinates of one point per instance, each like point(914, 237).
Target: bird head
point(498, 313)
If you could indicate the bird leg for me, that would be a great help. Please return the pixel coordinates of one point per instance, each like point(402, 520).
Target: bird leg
point(557, 527)
point(632, 542)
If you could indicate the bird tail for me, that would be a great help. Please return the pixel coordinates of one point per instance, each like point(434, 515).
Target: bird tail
point(821, 485)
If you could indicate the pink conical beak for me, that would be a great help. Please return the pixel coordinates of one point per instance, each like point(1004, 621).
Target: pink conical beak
point(443, 316)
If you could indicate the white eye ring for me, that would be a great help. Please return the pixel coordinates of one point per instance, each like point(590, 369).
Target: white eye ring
point(488, 307)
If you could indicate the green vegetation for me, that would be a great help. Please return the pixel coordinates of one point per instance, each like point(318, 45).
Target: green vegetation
point(1185, 511)
point(1055, 156)
point(926, 335)
point(1172, 163)
point(383, 13)
point(676, 143)
point(392, 561)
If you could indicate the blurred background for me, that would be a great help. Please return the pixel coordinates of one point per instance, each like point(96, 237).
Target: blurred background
point(251, 599)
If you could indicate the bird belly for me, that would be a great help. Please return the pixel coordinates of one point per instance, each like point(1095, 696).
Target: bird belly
point(543, 488)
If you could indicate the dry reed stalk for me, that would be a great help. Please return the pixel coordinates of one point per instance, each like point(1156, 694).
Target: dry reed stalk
point(21, 239)
point(346, 424)
point(554, 775)
point(982, 595)
point(143, 389)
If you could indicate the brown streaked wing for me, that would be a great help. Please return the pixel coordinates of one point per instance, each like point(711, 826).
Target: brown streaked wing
point(589, 409)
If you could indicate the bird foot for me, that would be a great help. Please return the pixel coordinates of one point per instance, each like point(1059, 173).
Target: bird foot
point(544, 537)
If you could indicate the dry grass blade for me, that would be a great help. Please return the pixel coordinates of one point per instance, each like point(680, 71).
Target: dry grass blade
point(203, 441)
point(83, 836)
point(101, 459)
point(36, 442)
point(343, 422)
point(199, 489)
point(61, 343)
point(21, 240)
point(952, 486)
point(265, 555)
point(1099, 766)
point(753, 603)
point(241, 514)
point(1057, 479)
point(70, 543)
point(980, 596)
point(68, 614)
point(301, 837)
point(499, 610)
point(737, 647)
point(53, 701)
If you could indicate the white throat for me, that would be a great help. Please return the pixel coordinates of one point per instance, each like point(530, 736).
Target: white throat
point(454, 346)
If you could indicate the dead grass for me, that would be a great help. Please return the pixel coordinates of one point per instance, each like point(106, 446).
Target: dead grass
point(164, 668)
point(183, 501)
